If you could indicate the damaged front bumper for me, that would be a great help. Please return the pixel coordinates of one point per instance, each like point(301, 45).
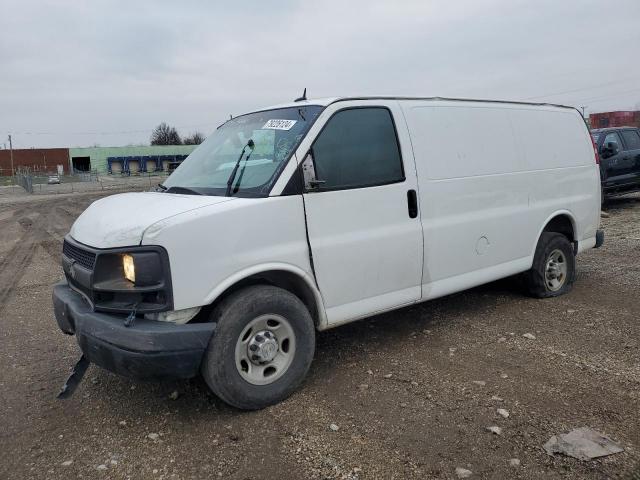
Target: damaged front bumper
point(147, 349)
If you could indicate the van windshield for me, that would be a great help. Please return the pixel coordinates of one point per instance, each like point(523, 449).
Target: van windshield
point(267, 138)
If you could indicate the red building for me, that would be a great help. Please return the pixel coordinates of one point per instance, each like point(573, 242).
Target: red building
point(45, 160)
point(615, 119)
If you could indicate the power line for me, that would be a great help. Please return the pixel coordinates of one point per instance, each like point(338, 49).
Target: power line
point(582, 89)
point(606, 97)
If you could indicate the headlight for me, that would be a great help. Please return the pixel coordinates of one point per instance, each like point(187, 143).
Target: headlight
point(129, 268)
point(121, 279)
point(143, 269)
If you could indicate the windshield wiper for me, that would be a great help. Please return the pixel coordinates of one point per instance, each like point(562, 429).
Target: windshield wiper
point(161, 187)
point(249, 144)
point(187, 190)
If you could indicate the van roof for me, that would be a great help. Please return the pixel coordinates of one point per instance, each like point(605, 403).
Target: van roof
point(329, 100)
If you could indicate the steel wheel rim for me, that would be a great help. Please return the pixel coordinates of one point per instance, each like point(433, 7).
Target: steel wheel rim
point(265, 369)
point(555, 272)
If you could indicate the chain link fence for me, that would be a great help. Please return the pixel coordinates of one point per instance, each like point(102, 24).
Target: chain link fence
point(39, 182)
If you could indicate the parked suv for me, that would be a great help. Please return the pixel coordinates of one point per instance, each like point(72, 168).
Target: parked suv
point(619, 150)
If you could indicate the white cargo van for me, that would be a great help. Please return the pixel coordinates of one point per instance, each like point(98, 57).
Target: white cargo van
point(309, 215)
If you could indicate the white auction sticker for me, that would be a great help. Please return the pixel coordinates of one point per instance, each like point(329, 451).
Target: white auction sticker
point(275, 124)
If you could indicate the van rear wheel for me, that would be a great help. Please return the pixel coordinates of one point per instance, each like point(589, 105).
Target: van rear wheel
point(262, 347)
point(553, 270)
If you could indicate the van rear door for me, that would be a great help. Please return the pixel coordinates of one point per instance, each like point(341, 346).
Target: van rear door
point(362, 218)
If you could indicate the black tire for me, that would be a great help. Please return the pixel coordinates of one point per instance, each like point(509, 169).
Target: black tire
point(232, 315)
point(535, 282)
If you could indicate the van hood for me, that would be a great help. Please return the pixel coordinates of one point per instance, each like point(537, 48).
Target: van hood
point(120, 220)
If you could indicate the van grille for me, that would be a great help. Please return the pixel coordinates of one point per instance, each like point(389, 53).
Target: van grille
point(84, 257)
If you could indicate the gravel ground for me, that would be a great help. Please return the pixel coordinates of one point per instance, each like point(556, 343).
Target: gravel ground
point(408, 394)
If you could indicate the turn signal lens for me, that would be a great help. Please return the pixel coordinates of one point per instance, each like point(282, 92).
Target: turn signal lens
point(129, 267)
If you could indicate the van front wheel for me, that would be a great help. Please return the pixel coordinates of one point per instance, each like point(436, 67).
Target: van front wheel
point(553, 270)
point(262, 347)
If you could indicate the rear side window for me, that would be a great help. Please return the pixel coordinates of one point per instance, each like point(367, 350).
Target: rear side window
point(632, 139)
point(358, 148)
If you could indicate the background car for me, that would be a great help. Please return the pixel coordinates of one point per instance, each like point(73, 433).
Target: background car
point(619, 149)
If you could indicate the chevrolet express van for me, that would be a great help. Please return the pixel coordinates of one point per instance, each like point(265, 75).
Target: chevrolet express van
point(309, 215)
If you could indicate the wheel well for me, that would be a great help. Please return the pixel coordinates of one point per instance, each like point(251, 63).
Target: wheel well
point(278, 278)
point(562, 224)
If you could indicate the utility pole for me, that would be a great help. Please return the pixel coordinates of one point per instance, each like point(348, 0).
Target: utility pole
point(11, 154)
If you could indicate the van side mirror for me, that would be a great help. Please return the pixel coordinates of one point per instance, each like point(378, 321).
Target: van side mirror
point(309, 173)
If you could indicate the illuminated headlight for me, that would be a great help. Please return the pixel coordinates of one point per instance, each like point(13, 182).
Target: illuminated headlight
point(174, 316)
point(129, 267)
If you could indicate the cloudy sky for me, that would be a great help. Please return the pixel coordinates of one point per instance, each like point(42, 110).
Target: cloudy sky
point(77, 73)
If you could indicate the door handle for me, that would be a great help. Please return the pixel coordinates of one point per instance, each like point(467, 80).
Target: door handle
point(412, 203)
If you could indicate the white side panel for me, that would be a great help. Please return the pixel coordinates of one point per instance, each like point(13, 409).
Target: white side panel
point(491, 176)
point(210, 245)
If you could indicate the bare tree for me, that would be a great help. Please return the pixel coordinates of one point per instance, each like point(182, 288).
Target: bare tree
point(164, 134)
point(196, 138)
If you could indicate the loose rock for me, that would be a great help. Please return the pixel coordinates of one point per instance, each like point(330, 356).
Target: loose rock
point(153, 436)
point(66, 463)
point(174, 395)
point(495, 430)
point(101, 467)
point(463, 472)
point(481, 383)
point(334, 427)
point(514, 462)
point(503, 413)
point(530, 336)
point(388, 375)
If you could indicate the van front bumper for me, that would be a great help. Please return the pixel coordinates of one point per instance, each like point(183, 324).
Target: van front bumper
point(145, 350)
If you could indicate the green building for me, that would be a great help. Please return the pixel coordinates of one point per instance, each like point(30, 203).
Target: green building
point(96, 158)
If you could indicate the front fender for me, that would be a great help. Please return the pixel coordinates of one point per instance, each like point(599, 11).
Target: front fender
point(241, 275)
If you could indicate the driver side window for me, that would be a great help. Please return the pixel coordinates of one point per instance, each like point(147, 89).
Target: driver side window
point(358, 148)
